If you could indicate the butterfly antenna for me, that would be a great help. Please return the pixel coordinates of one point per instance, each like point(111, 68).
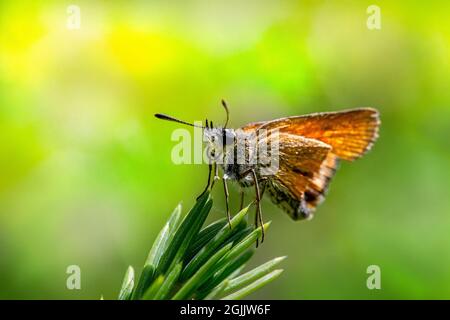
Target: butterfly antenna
point(168, 118)
point(224, 104)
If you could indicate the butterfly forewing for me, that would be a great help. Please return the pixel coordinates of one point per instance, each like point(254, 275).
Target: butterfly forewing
point(350, 133)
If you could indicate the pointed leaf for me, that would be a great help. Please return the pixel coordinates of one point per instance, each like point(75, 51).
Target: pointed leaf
point(153, 289)
point(197, 279)
point(127, 285)
point(169, 283)
point(212, 246)
point(187, 230)
point(254, 286)
point(244, 244)
point(204, 236)
point(164, 237)
point(252, 275)
point(225, 272)
point(217, 291)
point(144, 282)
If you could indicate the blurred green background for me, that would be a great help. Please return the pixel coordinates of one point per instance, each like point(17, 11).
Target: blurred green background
point(86, 176)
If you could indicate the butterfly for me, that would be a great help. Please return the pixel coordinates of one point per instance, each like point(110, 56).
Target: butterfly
point(308, 151)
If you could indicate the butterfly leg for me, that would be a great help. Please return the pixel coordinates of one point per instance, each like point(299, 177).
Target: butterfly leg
point(263, 184)
point(242, 200)
point(258, 217)
point(216, 174)
point(263, 189)
point(209, 182)
point(227, 195)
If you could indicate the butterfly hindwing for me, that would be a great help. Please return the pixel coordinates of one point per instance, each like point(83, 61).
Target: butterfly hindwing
point(302, 174)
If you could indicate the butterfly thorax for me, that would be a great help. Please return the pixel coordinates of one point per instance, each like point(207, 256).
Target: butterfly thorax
point(240, 159)
point(231, 149)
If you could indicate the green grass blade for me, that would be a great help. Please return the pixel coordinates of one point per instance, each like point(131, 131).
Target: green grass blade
point(204, 236)
point(224, 273)
point(254, 286)
point(217, 291)
point(201, 275)
point(237, 272)
point(164, 237)
point(159, 247)
point(187, 230)
point(244, 244)
point(153, 289)
point(212, 246)
point(239, 235)
point(169, 283)
point(145, 280)
point(213, 257)
point(252, 275)
point(127, 285)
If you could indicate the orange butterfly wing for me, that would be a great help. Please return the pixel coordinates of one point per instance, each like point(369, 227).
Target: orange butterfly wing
point(310, 148)
point(300, 158)
point(350, 133)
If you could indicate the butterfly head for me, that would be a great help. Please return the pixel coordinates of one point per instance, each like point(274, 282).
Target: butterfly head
point(213, 136)
point(219, 136)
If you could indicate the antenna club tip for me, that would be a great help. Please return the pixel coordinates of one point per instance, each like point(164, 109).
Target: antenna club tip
point(162, 116)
